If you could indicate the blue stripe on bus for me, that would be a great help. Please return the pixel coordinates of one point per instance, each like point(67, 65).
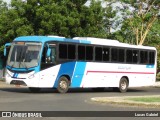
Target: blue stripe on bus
point(77, 41)
point(69, 40)
point(36, 69)
point(65, 69)
point(149, 66)
point(15, 75)
point(78, 74)
point(85, 41)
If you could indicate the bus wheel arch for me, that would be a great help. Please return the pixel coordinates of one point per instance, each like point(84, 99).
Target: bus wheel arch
point(63, 84)
point(123, 84)
point(68, 77)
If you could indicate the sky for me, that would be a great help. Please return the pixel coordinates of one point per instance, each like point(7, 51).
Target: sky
point(7, 1)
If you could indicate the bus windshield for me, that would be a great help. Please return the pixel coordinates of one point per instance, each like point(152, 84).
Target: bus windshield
point(24, 55)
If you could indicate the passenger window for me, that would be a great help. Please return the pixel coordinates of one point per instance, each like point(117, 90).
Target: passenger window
point(151, 57)
point(63, 51)
point(89, 53)
point(143, 57)
point(121, 55)
point(129, 56)
point(135, 56)
point(71, 51)
point(81, 52)
point(114, 54)
point(106, 54)
point(98, 53)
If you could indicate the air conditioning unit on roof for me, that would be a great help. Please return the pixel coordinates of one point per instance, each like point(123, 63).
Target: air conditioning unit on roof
point(97, 40)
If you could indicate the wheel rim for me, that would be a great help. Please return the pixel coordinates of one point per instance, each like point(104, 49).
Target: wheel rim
point(123, 85)
point(63, 85)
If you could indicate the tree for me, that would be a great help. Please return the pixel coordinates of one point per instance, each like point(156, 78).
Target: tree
point(3, 9)
point(116, 14)
point(142, 18)
point(93, 20)
point(68, 18)
point(3, 6)
point(136, 19)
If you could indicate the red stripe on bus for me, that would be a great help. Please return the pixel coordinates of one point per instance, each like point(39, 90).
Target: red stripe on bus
point(119, 72)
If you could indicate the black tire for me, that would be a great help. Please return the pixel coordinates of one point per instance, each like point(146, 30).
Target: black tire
point(34, 90)
point(123, 85)
point(98, 89)
point(63, 85)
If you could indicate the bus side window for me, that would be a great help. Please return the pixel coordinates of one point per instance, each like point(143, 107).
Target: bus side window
point(135, 56)
point(106, 54)
point(114, 54)
point(81, 52)
point(143, 57)
point(71, 51)
point(129, 56)
point(98, 53)
point(89, 53)
point(121, 55)
point(151, 57)
point(63, 51)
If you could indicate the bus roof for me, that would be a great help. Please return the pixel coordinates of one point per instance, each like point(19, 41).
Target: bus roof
point(100, 41)
point(44, 39)
point(87, 40)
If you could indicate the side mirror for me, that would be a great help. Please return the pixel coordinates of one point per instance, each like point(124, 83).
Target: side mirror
point(48, 54)
point(6, 49)
point(5, 52)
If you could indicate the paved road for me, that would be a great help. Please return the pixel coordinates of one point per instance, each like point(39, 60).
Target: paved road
point(20, 99)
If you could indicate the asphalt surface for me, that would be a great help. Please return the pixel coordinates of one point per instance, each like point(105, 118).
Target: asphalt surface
point(20, 99)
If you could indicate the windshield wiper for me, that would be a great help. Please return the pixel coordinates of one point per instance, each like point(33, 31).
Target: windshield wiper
point(25, 65)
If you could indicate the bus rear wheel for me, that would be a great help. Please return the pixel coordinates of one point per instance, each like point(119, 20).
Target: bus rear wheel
point(63, 85)
point(123, 85)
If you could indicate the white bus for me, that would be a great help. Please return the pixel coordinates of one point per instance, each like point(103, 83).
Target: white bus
point(57, 62)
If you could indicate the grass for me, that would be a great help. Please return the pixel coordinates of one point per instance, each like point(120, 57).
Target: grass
point(146, 99)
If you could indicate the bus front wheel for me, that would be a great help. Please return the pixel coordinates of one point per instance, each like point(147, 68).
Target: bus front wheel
point(123, 85)
point(63, 85)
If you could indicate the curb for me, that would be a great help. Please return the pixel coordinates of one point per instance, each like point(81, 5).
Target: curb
point(125, 101)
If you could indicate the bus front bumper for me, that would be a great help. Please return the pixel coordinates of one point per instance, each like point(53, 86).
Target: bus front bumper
point(30, 79)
